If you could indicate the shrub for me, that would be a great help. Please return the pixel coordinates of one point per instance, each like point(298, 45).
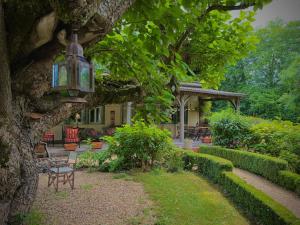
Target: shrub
point(292, 159)
point(254, 202)
point(210, 166)
point(260, 206)
point(87, 160)
point(229, 129)
point(140, 145)
point(93, 160)
point(174, 162)
point(278, 138)
point(263, 165)
point(290, 180)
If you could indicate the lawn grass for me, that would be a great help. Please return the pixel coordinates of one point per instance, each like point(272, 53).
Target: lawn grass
point(187, 199)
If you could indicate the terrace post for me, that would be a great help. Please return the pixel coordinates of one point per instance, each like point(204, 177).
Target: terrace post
point(182, 100)
point(128, 113)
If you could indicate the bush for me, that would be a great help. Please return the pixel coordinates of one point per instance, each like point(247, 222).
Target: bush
point(263, 165)
point(87, 160)
point(93, 160)
point(278, 138)
point(292, 159)
point(260, 206)
point(174, 162)
point(140, 145)
point(290, 180)
point(254, 202)
point(272, 137)
point(210, 166)
point(229, 129)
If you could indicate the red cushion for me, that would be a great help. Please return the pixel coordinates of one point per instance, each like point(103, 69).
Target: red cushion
point(71, 133)
point(48, 136)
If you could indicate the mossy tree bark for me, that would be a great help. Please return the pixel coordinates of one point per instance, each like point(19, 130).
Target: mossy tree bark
point(32, 33)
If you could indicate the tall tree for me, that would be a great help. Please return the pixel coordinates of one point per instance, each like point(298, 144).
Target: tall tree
point(33, 33)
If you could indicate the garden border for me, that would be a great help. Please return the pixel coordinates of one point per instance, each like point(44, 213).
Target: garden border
point(254, 202)
point(271, 168)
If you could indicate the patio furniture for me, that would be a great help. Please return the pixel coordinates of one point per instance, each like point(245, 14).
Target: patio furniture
point(62, 171)
point(40, 150)
point(48, 137)
point(72, 135)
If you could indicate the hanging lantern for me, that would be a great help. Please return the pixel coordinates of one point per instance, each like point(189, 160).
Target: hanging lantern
point(75, 75)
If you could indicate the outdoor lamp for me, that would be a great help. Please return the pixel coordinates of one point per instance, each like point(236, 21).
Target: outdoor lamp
point(75, 74)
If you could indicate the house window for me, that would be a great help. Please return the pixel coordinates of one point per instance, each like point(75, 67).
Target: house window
point(96, 115)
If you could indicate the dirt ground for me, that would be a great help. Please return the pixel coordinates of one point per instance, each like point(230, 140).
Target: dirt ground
point(98, 199)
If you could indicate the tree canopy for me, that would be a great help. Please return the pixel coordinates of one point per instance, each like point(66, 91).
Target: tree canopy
point(157, 45)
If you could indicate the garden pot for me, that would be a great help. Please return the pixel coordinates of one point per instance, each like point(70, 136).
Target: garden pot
point(97, 144)
point(70, 146)
point(206, 140)
point(188, 143)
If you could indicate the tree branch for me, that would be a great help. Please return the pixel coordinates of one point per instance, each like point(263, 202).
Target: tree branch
point(5, 84)
point(33, 75)
point(190, 29)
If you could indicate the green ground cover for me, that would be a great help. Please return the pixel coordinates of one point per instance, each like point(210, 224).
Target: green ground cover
point(187, 199)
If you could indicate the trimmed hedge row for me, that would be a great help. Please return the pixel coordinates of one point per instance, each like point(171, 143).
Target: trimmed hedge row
point(257, 204)
point(263, 165)
point(208, 165)
point(260, 206)
point(289, 180)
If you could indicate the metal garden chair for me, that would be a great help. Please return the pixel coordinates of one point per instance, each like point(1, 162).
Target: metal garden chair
point(62, 171)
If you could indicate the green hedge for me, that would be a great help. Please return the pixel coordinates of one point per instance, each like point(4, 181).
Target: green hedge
point(289, 180)
point(260, 206)
point(263, 165)
point(254, 202)
point(208, 165)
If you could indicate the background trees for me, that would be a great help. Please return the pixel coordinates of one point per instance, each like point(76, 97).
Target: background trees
point(270, 75)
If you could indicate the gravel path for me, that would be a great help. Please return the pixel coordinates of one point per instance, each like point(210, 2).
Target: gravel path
point(287, 198)
point(98, 199)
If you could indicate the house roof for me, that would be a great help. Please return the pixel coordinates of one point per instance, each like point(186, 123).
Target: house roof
point(196, 89)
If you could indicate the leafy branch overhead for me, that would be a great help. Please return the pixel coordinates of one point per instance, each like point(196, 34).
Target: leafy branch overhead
point(161, 44)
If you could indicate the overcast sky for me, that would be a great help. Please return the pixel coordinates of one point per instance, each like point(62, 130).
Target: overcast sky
point(285, 9)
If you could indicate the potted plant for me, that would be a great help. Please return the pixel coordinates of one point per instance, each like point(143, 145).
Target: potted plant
point(92, 137)
point(70, 146)
point(206, 139)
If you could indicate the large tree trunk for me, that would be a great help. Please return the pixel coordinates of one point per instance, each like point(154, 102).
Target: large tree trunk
point(27, 50)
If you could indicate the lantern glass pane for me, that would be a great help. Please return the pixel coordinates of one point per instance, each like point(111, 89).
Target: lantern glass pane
point(63, 75)
point(84, 76)
point(55, 75)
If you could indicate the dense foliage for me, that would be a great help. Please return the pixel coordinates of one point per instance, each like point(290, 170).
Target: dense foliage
point(139, 145)
point(272, 137)
point(229, 129)
point(270, 75)
point(133, 146)
point(154, 49)
point(257, 204)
